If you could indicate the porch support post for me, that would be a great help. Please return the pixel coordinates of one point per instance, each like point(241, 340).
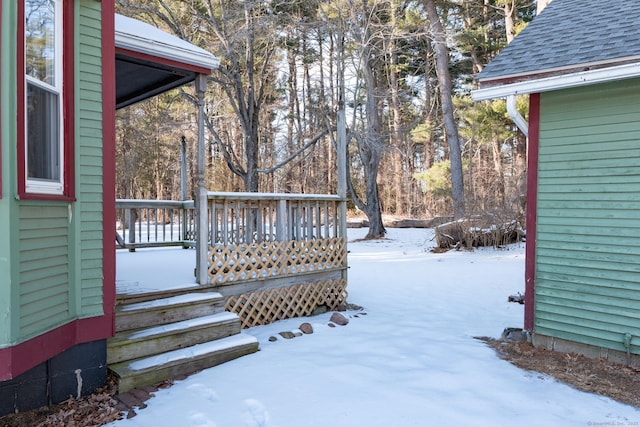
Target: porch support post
point(183, 168)
point(184, 230)
point(202, 241)
point(341, 131)
point(342, 154)
point(342, 176)
point(342, 172)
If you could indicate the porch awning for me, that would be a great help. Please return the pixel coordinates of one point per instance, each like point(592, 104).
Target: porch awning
point(150, 61)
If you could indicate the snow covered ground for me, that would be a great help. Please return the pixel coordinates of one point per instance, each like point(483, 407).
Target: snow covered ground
point(412, 360)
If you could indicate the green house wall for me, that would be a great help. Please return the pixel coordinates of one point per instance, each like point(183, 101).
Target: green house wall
point(51, 269)
point(587, 286)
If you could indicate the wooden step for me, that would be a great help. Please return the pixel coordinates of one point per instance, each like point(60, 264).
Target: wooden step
point(135, 297)
point(137, 343)
point(154, 369)
point(168, 310)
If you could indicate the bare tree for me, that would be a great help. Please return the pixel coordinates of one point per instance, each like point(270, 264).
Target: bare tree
point(365, 28)
point(244, 35)
point(445, 89)
point(243, 40)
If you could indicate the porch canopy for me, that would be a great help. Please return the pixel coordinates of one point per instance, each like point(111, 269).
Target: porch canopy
point(150, 61)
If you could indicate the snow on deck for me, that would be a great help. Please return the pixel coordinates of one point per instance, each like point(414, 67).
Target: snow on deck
point(154, 269)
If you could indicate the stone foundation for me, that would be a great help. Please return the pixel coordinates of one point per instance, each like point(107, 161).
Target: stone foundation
point(591, 351)
point(79, 370)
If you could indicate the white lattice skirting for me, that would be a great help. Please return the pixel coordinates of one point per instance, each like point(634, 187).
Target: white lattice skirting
point(263, 307)
point(230, 263)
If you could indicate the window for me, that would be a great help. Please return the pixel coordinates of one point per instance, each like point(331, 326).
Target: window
point(46, 142)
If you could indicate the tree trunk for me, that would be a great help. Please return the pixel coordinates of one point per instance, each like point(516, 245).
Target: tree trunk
point(371, 151)
point(451, 129)
point(509, 9)
point(400, 196)
point(292, 80)
point(251, 177)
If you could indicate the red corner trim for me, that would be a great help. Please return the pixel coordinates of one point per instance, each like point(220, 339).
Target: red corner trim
point(532, 209)
point(109, 159)
point(68, 84)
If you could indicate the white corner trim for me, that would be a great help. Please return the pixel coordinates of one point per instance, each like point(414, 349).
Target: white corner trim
point(582, 78)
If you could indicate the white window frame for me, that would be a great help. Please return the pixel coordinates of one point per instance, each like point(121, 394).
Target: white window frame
point(39, 185)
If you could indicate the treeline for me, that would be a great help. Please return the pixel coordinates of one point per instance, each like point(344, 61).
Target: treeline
point(286, 69)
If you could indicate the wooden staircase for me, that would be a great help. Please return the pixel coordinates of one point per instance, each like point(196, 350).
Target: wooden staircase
point(161, 336)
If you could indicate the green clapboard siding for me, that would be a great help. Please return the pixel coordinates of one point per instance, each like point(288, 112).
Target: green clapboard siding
point(44, 266)
point(89, 166)
point(588, 219)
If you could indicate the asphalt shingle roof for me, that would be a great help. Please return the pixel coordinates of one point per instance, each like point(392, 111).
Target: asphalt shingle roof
point(569, 34)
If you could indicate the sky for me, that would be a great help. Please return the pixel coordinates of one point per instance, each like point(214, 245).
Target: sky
point(410, 357)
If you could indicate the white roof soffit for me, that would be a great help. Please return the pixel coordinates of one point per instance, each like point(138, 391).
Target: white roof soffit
point(546, 84)
point(137, 36)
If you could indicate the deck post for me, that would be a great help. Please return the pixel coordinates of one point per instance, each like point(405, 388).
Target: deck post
point(131, 226)
point(202, 216)
point(281, 221)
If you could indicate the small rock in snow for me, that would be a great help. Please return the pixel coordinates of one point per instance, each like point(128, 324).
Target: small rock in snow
point(287, 335)
point(306, 328)
point(339, 319)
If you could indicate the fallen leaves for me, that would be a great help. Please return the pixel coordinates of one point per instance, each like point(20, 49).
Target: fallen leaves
point(619, 382)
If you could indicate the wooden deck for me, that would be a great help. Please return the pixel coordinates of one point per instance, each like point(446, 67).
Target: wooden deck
point(185, 291)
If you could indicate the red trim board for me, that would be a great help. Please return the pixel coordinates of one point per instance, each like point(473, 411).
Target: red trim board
point(109, 159)
point(532, 209)
point(160, 60)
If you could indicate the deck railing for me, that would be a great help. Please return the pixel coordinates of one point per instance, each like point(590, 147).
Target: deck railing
point(155, 223)
point(260, 217)
point(259, 235)
point(233, 218)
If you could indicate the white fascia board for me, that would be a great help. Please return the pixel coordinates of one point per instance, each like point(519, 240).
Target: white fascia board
point(546, 84)
point(137, 36)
